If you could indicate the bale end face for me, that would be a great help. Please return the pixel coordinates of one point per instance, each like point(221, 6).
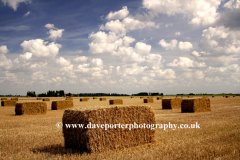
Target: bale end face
point(158, 98)
point(96, 139)
point(116, 101)
point(31, 108)
point(196, 105)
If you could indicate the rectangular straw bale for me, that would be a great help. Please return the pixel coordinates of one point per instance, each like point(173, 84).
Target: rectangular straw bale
point(190, 96)
point(148, 100)
point(46, 99)
point(174, 103)
point(94, 97)
point(196, 105)
point(9, 103)
point(95, 140)
point(59, 105)
point(69, 99)
point(4, 99)
point(84, 99)
point(103, 99)
point(116, 101)
point(31, 108)
point(227, 96)
point(158, 98)
point(141, 97)
point(15, 99)
point(213, 96)
point(132, 97)
point(39, 98)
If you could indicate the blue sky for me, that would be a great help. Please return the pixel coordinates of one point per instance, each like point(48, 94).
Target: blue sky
point(127, 46)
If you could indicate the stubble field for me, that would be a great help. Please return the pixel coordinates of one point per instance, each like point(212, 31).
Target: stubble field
point(38, 137)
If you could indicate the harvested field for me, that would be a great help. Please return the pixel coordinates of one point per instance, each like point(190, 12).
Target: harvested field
point(39, 98)
point(58, 105)
point(174, 103)
point(116, 101)
point(31, 108)
point(99, 140)
point(41, 136)
point(148, 100)
point(84, 99)
point(46, 99)
point(102, 99)
point(196, 105)
point(9, 103)
point(69, 99)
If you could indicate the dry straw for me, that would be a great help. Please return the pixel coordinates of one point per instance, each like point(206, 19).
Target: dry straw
point(227, 96)
point(103, 99)
point(132, 97)
point(9, 103)
point(39, 98)
point(196, 105)
point(84, 99)
point(15, 99)
point(4, 99)
point(46, 99)
point(174, 103)
point(98, 139)
point(31, 108)
point(58, 105)
point(190, 96)
point(116, 101)
point(213, 96)
point(141, 97)
point(94, 97)
point(148, 100)
point(158, 98)
point(69, 99)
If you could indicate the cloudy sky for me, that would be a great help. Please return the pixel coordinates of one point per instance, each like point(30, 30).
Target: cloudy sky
point(124, 46)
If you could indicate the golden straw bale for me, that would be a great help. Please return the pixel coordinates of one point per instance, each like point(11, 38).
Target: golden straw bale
point(190, 96)
point(46, 99)
point(9, 103)
point(95, 98)
point(84, 99)
point(31, 108)
point(227, 96)
point(103, 99)
point(132, 97)
point(148, 100)
point(39, 98)
point(116, 101)
point(158, 98)
point(4, 99)
point(94, 138)
point(174, 103)
point(141, 97)
point(59, 105)
point(15, 99)
point(196, 105)
point(213, 96)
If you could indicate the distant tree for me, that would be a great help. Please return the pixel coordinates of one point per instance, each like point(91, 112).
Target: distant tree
point(31, 94)
point(51, 93)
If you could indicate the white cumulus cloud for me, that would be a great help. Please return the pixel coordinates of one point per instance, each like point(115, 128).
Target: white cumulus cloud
point(118, 14)
point(14, 3)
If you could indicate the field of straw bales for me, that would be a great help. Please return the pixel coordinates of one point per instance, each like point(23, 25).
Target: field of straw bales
point(38, 137)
